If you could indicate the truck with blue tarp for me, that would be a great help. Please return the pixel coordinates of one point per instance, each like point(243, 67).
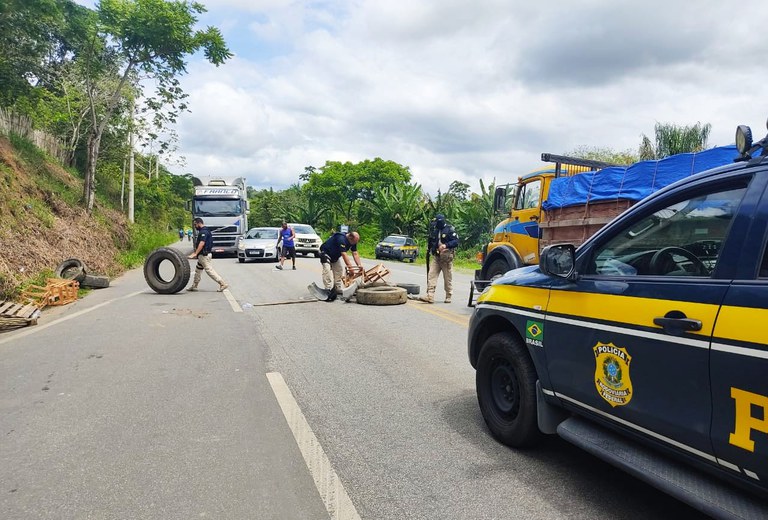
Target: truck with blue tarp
point(572, 200)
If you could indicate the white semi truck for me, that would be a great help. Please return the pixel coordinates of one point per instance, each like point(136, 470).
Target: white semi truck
point(222, 203)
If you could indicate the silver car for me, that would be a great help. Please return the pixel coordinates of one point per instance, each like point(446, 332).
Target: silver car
point(258, 244)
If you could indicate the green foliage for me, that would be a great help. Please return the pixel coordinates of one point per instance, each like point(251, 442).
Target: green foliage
point(342, 186)
point(609, 155)
point(398, 209)
point(40, 210)
point(671, 139)
point(476, 218)
point(36, 161)
point(145, 238)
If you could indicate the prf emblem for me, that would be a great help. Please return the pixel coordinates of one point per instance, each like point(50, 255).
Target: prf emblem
point(612, 374)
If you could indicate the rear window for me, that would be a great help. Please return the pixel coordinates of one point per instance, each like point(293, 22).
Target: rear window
point(262, 233)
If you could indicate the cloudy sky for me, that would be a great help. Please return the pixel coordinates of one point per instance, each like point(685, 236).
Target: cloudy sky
point(463, 90)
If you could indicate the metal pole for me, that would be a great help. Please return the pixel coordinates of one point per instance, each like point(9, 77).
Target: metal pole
point(131, 171)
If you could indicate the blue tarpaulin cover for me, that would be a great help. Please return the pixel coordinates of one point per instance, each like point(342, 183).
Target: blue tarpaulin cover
point(633, 182)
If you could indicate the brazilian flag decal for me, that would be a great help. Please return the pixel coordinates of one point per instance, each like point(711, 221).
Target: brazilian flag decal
point(534, 333)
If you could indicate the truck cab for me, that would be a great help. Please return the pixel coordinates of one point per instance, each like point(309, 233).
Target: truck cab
point(515, 239)
point(223, 205)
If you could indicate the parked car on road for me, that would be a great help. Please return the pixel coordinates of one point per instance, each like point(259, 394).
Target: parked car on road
point(307, 241)
point(399, 247)
point(258, 244)
point(644, 345)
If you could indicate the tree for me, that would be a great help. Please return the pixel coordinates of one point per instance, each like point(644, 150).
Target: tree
point(673, 139)
point(609, 155)
point(398, 208)
point(475, 217)
point(147, 39)
point(341, 186)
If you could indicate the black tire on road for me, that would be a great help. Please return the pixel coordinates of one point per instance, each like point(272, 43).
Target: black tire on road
point(506, 391)
point(182, 270)
point(241, 260)
point(381, 295)
point(317, 255)
point(71, 269)
point(410, 288)
point(413, 257)
point(95, 281)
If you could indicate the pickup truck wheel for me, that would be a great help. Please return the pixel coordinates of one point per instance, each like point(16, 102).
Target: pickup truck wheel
point(497, 268)
point(506, 391)
point(181, 273)
point(241, 260)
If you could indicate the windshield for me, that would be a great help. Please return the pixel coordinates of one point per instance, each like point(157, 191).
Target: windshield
point(395, 240)
point(262, 233)
point(217, 208)
point(303, 229)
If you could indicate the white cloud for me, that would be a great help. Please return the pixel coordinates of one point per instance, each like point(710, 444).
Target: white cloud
point(462, 90)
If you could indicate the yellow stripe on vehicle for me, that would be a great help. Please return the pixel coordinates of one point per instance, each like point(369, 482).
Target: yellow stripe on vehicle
point(629, 310)
point(525, 297)
point(743, 324)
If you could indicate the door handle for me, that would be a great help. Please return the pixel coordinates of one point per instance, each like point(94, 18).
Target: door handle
point(676, 323)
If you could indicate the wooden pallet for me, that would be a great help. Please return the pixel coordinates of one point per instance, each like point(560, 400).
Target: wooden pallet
point(57, 291)
point(372, 275)
point(14, 314)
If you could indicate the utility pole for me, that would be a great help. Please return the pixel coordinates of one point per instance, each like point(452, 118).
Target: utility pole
point(131, 173)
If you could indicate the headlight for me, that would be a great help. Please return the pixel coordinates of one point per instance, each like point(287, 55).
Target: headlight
point(241, 246)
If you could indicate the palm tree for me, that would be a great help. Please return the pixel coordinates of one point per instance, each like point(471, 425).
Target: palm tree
point(673, 139)
point(398, 208)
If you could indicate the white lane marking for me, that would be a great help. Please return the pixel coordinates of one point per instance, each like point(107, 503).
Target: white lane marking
point(65, 318)
point(232, 302)
point(335, 498)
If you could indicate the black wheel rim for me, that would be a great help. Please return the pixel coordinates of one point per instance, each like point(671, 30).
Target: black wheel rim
point(505, 388)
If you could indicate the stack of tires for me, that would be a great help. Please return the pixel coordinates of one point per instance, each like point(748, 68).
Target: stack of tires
point(74, 269)
point(181, 270)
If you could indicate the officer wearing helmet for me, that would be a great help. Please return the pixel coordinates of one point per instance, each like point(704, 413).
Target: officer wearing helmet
point(442, 242)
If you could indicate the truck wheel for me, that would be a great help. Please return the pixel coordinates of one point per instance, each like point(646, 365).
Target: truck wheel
point(381, 295)
point(413, 257)
point(95, 282)
point(153, 276)
point(71, 269)
point(241, 260)
point(506, 391)
point(498, 268)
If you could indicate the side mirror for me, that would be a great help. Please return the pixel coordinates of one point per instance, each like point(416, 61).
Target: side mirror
point(500, 199)
point(188, 205)
point(558, 260)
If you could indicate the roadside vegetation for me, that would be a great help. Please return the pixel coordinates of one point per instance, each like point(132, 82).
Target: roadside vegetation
point(74, 84)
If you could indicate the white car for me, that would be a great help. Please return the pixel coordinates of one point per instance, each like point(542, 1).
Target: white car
point(307, 241)
point(258, 244)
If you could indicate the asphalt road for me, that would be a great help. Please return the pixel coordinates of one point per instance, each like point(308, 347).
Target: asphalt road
point(131, 404)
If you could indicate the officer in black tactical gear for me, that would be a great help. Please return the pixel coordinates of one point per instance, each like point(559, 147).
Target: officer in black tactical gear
point(443, 241)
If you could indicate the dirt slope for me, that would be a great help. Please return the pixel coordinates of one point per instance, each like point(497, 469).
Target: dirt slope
point(39, 228)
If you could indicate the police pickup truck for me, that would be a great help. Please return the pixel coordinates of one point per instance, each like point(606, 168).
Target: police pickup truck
point(648, 345)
